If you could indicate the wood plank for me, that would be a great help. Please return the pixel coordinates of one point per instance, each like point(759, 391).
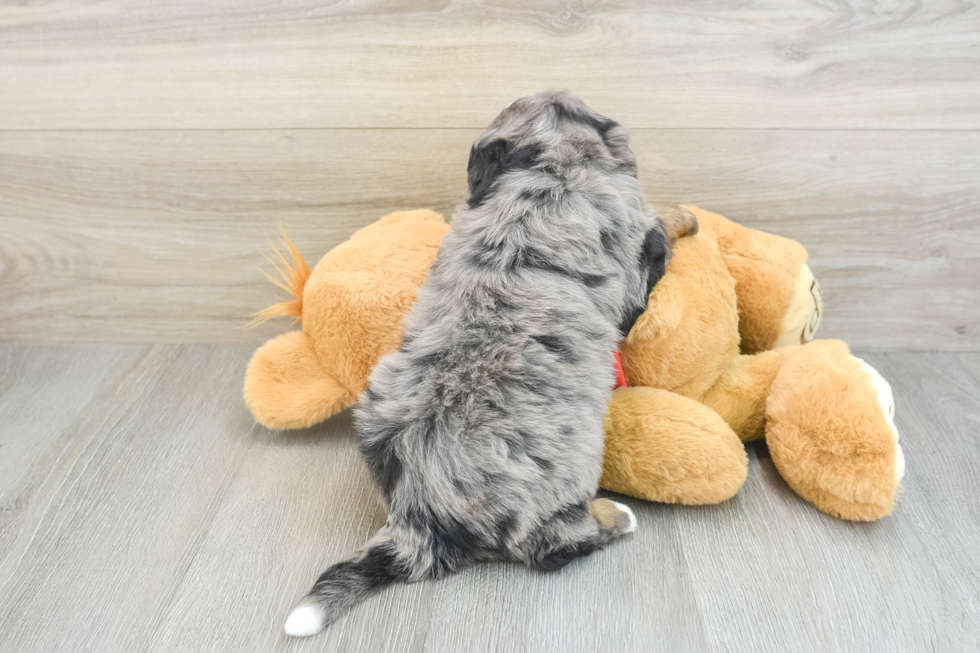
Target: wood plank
point(401, 63)
point(634, 595)
point(43, 391)
point(307, 499)
point(143, 236)
point(309, 502)
point(115, 517)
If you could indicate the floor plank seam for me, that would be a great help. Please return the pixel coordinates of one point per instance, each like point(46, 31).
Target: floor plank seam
point(166, 606)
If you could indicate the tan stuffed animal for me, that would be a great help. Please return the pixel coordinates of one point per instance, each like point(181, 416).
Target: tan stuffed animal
point(827, 416)
point(676, 434)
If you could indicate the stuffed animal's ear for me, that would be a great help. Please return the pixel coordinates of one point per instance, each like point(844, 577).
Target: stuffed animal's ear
point(776, 291)
point(287, 388)
point(678, 221)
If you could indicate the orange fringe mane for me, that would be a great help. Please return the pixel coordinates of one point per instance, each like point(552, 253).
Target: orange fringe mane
point(292, 279)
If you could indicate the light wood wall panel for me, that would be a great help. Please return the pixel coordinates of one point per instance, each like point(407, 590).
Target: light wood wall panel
point(223, 64)
point(145, 236)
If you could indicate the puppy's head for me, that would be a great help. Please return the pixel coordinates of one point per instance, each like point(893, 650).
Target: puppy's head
point(552, 131)
point(544, 145)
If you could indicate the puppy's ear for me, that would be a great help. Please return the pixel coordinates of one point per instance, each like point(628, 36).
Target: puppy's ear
point(489, 161)
point(654, 255)
point(617, 139)
point(485, 166)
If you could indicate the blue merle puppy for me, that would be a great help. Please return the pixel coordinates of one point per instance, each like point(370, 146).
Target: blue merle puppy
point(484, 431)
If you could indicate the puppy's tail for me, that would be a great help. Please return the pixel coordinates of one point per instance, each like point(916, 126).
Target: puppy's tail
point(292, 280)
point(346, 583)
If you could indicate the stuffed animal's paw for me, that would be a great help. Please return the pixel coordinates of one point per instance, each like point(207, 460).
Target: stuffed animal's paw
point(661, 446)
point(830, 433)
point(887, 400)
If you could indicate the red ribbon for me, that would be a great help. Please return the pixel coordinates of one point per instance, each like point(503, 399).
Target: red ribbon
point(620, 375)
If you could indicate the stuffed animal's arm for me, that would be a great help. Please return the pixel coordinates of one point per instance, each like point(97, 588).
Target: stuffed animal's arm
point(287, 388)
point(742, 393)
point(739, 395)
point(661, 446)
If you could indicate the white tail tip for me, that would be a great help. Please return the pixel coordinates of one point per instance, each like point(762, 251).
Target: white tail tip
point(304, 621)
point(629, 513)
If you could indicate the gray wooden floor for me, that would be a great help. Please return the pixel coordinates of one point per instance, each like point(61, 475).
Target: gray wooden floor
point(142, 510)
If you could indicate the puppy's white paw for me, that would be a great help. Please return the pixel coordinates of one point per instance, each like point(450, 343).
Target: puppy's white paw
point(304, 620)
point(887, 400)
point(629, 513)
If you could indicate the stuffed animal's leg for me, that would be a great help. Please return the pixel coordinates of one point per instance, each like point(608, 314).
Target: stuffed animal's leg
point(740, 393)
point(831, 434)
point(661, 446)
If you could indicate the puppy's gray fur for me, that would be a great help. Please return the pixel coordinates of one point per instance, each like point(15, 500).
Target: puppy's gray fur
point(485, 430)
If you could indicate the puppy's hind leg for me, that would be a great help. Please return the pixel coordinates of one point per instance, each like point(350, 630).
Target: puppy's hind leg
point(579, 530)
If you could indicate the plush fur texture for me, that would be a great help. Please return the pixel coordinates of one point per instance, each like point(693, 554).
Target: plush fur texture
point(818, 408)
point(766, 269)
point(351, 307)
point(741, 392)
point(686, 344)
point(484, 430)
point(685, 349)
point(661, 446)
point(287, 387)
point(828, 434)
